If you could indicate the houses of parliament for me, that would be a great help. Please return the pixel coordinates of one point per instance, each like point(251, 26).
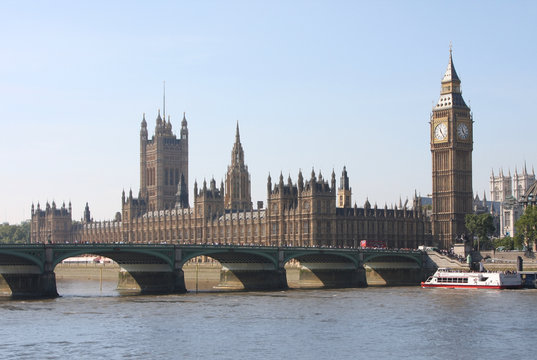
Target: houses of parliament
point(309, 211)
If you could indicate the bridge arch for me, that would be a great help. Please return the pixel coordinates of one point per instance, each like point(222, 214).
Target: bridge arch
point(146, 256)
point(143, 269)
point(243, 268)
point(388, 256)
point(392, 268)
point(324, 268)
point(225, 256)
point(321, 256)
point(23, 272)
point(9, 257)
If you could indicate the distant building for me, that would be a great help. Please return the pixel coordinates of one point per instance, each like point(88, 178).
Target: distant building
point(51, 224)
point(164, 165)
point(311, 211)
point(481, 206)
point(509, 191)
point(530, 197)
point(301, 213)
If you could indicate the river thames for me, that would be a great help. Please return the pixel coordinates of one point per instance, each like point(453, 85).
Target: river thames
point(370, 323)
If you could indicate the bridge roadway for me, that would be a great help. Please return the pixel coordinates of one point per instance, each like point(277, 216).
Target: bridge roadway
point(28, 270)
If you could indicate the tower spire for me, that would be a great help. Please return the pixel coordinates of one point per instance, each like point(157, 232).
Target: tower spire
point(164, 100)
point(450, 93)
point(451, 74)
point(238, 188)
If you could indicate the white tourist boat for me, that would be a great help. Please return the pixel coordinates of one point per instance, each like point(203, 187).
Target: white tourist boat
point(450, 278)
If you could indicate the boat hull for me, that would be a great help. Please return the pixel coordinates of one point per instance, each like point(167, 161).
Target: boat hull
point(461, 286)
point(456, 279)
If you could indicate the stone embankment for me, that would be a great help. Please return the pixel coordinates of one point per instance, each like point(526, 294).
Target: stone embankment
point(492, 260)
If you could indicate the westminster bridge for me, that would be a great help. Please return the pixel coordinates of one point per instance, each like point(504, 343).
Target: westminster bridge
point(28, 270)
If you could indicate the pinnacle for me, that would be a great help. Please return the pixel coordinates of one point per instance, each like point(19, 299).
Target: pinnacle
point(451, 74)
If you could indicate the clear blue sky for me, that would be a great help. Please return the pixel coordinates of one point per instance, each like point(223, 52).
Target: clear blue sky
point(318, 84)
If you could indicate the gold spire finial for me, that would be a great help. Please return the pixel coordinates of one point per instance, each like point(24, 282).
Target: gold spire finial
point(450, 47)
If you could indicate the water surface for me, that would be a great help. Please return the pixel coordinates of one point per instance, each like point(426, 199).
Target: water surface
point(376, 322)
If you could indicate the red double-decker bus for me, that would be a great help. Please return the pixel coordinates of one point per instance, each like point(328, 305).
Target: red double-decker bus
point(376, 244)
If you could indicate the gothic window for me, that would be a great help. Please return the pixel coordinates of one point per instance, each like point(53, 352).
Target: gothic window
point(274, 229)
point(165, 176)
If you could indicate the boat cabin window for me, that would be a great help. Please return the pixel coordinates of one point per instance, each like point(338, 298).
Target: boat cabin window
point(457, 280)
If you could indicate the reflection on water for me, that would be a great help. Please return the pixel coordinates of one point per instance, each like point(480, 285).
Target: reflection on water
point(383, 323)
point(68, 287)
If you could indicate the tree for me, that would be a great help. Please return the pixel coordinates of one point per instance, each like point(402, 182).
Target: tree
point(482, 226)
point(15, 234)
point(526, 226)
point(507, 242)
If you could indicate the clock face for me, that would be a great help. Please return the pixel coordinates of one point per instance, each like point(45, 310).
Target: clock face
point(440, 131)
point(462, 131)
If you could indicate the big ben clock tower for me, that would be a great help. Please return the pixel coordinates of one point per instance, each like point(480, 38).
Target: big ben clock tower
point(451, 148)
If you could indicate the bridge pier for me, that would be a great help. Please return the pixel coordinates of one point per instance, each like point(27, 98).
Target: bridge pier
point(382, 275)
point(251, 276)
point(28, 285)
point(151, 279)
point(330, 275)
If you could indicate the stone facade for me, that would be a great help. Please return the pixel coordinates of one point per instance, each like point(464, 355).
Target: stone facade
point(238, 188)
point(303, 213)
point(510, 192)
point(163, 165)
point(51, 224)
point(451, 129)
